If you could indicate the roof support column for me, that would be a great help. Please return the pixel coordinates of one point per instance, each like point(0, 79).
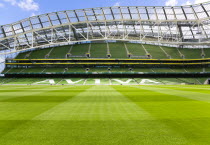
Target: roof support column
point(32, 43)
point(74, 32)
point(181, 34)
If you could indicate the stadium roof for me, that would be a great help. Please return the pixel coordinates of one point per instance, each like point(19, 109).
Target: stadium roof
point(180, 25)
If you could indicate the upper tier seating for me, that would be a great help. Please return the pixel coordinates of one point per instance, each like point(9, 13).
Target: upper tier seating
point(116, 50)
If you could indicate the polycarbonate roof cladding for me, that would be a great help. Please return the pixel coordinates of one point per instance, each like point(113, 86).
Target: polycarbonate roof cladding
point(176, 25)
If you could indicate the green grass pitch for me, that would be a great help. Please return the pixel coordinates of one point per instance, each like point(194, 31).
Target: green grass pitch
point(105, 115)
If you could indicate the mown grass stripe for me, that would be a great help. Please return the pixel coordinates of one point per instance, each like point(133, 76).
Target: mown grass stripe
point(138, 96)
point(184, 118)
point(181, 93)
point(14, 115)
point(11, 94)
point(95, 104)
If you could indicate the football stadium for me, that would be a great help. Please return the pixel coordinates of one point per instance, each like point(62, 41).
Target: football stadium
point(120, 75)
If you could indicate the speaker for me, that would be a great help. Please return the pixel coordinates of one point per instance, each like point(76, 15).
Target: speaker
point(129, 55)
point(88, 55)
point(68, 55)
point(148, 55)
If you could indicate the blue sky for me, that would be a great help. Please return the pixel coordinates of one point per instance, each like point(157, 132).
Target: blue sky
point(14, 10)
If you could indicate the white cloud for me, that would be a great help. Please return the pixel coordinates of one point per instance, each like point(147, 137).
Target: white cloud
point(187, 3)
point(116, 4)
point(28, 5)
point(33, 14)
point(171, 3)
point(1, 5)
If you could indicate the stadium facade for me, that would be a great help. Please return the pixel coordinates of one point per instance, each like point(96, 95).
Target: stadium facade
point(177, 27)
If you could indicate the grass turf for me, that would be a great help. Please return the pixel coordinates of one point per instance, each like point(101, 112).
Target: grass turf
point(102, 115)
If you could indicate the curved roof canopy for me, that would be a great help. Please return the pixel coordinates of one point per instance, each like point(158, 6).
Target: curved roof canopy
point(183, 25)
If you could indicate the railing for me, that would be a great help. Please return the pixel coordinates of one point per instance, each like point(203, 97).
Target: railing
point(159, 73)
